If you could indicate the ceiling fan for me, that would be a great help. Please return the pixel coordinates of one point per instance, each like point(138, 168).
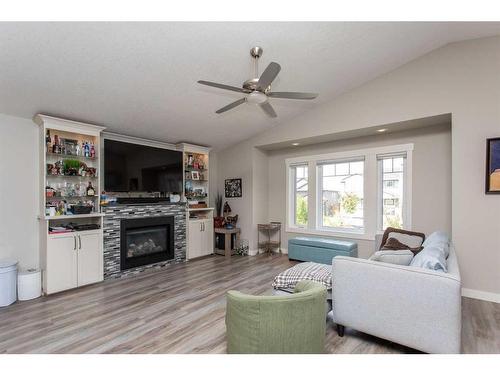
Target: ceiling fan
point(258, 90)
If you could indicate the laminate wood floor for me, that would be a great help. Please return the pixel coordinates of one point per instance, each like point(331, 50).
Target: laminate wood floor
point(181, 309)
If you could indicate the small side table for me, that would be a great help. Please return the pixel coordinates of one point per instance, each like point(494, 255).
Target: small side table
point(268, 244)
point(228, 233)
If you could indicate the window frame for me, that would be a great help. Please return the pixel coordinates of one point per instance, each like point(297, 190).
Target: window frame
point(407, 184)
point(319, 193)
point(371, 191)
point(293, 196)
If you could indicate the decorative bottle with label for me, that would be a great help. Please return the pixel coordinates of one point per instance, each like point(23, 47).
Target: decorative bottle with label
point(90, 190)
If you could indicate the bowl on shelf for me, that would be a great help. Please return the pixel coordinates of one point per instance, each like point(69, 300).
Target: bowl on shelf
point(81, 210)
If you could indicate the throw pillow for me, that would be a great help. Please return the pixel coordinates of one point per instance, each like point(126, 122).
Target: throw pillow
point(439, 239)
point(400, 257)
point(400, 239)
point(432, 258)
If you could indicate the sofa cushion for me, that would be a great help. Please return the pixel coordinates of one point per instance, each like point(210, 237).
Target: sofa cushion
point(432, 257)
point(326, 243)
point(400, 239)
point(400, 257)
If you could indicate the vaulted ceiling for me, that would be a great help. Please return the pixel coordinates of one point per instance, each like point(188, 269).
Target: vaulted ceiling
point(140, 79)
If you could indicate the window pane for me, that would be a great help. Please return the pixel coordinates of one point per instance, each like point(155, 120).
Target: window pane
point(301, 192)
point(392, 192)
point(342, 195)
point(387, 165)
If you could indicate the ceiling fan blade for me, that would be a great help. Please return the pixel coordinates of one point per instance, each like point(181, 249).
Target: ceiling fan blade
point(268, 76)
point(224, 87)
point(292, 95)
point(232, 105)
point(268, 109)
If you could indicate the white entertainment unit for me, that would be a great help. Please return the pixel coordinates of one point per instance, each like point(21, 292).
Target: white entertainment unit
point(71, 259)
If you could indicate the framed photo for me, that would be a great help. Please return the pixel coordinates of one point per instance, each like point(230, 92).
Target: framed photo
point(195, 175)
point(493, 166)
point(232, 188)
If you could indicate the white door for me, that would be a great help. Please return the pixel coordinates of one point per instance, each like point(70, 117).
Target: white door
point(61, 272)
point(90, 257)
point(208, 237)
point(194, 240)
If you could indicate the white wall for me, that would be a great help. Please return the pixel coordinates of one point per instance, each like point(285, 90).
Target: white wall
point(19, 190)
point(431, 167)
point(462, 79)
point(237, 162)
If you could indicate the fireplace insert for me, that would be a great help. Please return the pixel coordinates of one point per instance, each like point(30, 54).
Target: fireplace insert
point(146, 240)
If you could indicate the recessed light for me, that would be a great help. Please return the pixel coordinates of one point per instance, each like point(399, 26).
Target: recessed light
point(381, 130)
point(295, 144)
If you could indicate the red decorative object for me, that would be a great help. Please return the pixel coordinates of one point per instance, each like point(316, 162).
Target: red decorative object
point(218, 221)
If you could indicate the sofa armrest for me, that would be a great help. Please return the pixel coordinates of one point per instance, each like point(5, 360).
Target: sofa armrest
point(415, 307)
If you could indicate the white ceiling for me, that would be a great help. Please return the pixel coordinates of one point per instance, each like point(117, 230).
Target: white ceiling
point(140, 79)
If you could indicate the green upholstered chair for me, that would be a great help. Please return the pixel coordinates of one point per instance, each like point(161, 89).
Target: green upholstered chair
point(294, 323)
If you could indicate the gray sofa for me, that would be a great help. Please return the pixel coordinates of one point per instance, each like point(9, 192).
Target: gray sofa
point(412, 306)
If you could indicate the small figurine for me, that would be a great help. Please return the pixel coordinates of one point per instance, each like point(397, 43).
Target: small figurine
point(227, 209)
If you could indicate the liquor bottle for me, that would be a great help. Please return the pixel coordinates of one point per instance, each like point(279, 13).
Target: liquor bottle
point(90, 190)
point(55, 147)
point(48, 141)
point(92, 150)
point(87, 150)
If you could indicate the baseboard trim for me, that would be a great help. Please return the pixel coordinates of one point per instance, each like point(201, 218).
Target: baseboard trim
point(256, 251)
point(478, 294)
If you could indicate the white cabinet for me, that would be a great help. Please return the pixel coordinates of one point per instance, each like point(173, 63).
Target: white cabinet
point(90, 258)
point(61, 270)
point(73, 260)
point(200, 238)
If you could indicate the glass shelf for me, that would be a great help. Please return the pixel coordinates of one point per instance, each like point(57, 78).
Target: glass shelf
point(70, 176)
point(72, 197)
point(189, 169)
point(66, 156)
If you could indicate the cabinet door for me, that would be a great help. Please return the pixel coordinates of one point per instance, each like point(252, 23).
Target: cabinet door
point(194, 239)
point(61, 263)
point(208, 237)
point(90, 258)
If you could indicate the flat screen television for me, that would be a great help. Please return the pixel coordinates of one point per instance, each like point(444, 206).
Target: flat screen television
point(130, 167)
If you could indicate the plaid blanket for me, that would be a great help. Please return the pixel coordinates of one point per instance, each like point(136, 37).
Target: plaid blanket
point(321, 273)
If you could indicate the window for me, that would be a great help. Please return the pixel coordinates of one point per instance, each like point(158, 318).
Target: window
point(300, 196)
point(391, 175)
point(341, 190)
point(352, 194)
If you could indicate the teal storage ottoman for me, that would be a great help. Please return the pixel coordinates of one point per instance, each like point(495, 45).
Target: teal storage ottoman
point(320, 250)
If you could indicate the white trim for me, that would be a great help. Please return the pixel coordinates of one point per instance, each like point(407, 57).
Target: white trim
point(189, 147)
point(407, 192)
point(479, 294)
point(139, 141)
point(67, 125)
point(349, 154)
point(331, 233)
point(256, 251)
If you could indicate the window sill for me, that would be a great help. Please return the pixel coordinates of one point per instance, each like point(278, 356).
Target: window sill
point(329, 233)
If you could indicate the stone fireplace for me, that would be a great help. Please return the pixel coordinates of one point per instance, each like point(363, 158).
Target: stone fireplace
point(142, 236)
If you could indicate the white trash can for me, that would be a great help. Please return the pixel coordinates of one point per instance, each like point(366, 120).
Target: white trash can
point(29, 284)
point(8, 281)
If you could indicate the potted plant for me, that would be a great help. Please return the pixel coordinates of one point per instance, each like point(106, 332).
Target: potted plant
point(71, 167)
point(218, 219)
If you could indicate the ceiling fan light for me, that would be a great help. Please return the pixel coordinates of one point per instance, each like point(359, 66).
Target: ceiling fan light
point(256, 97)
